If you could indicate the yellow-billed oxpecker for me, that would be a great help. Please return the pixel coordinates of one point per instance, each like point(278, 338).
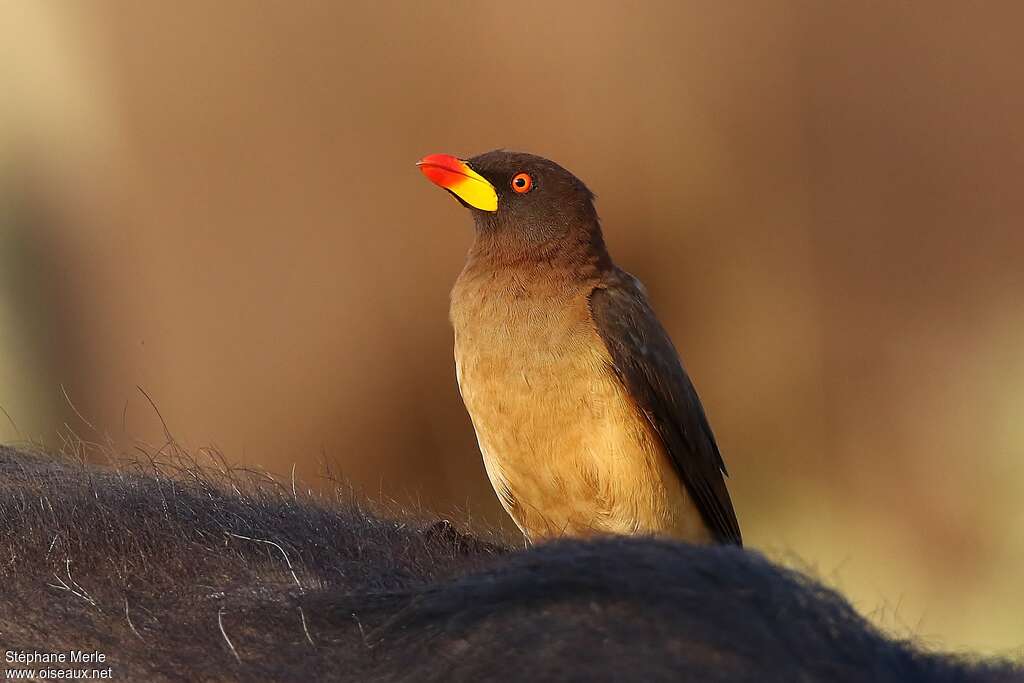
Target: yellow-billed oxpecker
point(586, 419)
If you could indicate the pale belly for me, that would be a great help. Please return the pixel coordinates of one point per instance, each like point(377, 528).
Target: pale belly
point(563, 445)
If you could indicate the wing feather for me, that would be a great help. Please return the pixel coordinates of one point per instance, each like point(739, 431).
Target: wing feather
point(648, 365)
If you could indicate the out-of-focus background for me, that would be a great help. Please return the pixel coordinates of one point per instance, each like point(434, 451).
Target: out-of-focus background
point(217, 202)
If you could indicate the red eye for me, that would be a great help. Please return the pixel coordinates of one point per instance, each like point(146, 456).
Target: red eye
point(522, 182)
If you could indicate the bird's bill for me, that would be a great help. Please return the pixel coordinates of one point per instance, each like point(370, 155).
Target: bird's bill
point(457, 177)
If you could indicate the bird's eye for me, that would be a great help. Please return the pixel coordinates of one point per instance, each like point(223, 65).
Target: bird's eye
point(522, 182)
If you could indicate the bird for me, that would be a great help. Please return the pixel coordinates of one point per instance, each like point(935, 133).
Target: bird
point(587, 421)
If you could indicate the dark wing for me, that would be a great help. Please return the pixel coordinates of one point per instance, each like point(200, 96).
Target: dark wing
point(648, 365)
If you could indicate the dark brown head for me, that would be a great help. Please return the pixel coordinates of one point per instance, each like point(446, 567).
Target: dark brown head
point(518, 197)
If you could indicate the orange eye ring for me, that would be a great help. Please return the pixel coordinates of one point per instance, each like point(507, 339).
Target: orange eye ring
point(522, 182)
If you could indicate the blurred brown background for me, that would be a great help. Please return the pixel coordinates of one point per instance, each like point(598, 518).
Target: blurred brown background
point(217, 202)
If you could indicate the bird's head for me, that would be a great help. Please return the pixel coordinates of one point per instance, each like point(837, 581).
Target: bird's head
point(521, 196)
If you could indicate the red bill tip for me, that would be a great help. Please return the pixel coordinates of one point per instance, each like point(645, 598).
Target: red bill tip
point(442, 169)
